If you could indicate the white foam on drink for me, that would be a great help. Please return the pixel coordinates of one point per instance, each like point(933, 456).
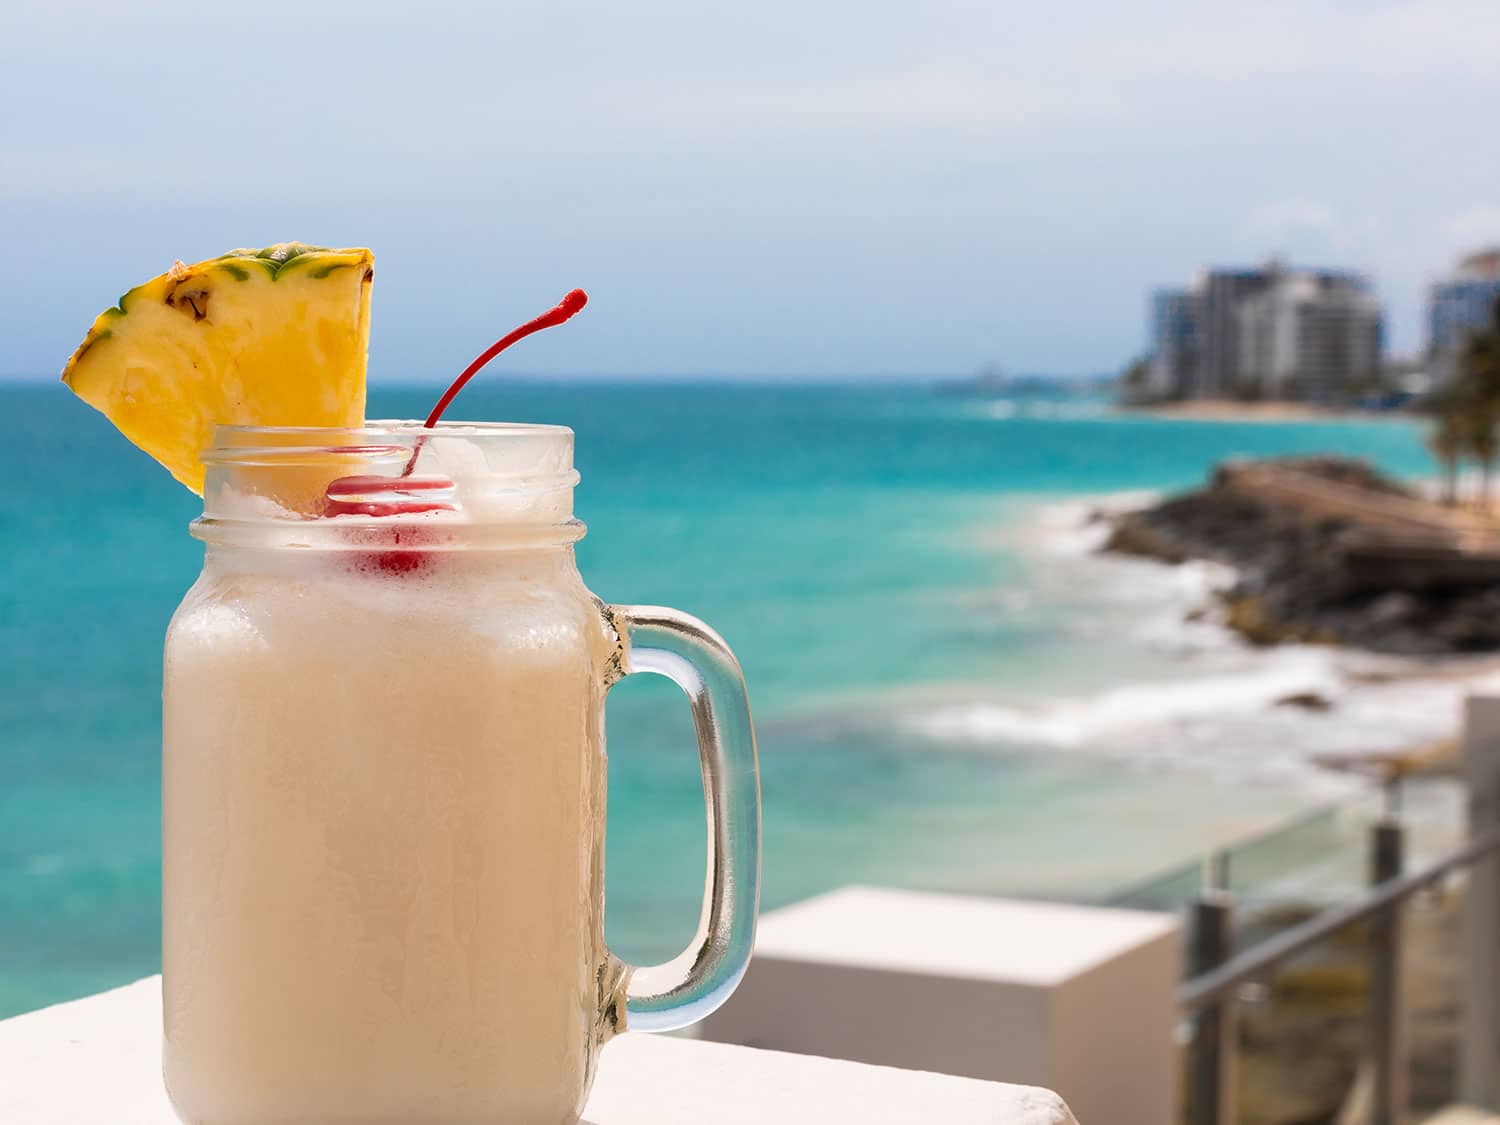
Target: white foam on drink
point(504, 485)
point(227, 502)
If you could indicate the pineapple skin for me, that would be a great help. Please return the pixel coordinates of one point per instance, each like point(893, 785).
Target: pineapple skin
point(271, 337)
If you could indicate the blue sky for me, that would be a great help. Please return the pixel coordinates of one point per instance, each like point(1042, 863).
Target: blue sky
point(790, 187)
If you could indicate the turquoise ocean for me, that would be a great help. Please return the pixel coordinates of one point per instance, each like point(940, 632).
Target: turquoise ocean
point(951, 689)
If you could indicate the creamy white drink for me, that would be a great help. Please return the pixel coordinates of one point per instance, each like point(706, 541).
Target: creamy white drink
point(384, 791)
point(384, 799)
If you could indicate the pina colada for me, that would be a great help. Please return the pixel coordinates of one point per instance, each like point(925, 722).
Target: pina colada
point(383, 755)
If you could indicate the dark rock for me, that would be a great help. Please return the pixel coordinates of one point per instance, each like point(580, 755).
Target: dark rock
point(1395, 608)
point(1133, 537)
point(1306, 700)
point(1294, 581)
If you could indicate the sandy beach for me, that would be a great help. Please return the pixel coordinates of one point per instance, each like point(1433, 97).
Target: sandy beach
point(1229, 410)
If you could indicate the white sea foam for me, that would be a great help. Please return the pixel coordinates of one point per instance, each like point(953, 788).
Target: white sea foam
point(1116, 600)
point(1194, 695)
point(1134, 709)
point(1237, 725)
point(1042, 409)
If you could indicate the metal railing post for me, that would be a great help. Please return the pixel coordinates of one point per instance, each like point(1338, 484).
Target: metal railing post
point(1209, 993)
point(1212, 1055)
point(1479, 1057)
point(1387, 1015)
point(1217, 870)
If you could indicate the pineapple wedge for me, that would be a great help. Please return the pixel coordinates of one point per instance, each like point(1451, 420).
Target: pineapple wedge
point(273, 337)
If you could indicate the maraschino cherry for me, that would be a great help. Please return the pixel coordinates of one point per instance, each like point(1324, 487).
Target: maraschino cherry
point(562, 311)
point(385, 496)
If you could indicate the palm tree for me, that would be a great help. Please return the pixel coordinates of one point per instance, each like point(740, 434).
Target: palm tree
point(1484, 445)
point(1468, 412)
point(1479, 390)
point(1447, 442)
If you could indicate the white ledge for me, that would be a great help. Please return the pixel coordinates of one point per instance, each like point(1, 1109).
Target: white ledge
point(97, 1061)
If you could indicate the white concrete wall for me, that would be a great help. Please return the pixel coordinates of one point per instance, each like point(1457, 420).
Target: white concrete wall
point(98, 1062)
point(1078, 999)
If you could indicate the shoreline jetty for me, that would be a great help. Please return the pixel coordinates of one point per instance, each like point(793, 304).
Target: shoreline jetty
point(1328, 550)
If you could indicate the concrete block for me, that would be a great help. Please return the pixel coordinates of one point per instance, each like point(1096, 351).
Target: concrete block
point(1074, 998)
point(97, 1061)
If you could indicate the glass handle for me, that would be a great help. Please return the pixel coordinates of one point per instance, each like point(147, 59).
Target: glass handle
point(689, 653)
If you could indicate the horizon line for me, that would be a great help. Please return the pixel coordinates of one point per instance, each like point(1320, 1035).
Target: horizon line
point(398, 382)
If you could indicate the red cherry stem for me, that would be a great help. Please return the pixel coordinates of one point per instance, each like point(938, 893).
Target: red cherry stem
point(562, 311)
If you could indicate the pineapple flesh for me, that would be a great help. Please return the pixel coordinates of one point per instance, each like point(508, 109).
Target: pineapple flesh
point(273, 337)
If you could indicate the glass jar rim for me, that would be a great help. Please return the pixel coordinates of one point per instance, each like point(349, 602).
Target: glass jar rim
point(230, 441)
point(404, 425)
point(468, 481)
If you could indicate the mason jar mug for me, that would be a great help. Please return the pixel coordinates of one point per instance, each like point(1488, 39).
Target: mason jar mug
point(384, 788)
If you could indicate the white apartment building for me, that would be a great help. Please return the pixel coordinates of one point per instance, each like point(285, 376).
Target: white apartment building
point(1308, 335)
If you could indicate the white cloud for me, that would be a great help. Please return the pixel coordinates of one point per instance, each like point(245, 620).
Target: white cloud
point(1290, 222)
point(1471, 228)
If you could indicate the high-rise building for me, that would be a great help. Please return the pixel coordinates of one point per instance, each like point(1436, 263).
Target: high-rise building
point(1219, 294)
point(1270, 332)
point(1459, 306)
point(1173, 371)
point(1310, 334)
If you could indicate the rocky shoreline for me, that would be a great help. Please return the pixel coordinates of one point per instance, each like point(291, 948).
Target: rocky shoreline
point(1327, 550)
